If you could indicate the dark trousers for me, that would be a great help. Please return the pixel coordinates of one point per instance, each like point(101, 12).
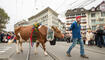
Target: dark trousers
point(91, 42)
point(100, 42)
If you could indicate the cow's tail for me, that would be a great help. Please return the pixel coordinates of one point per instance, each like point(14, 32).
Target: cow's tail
point(11, 41)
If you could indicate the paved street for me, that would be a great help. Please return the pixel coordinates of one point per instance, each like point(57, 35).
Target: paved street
point(57, 52)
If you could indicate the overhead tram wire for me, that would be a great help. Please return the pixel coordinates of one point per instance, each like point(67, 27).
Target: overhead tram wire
point(87, 3)
point(81, 3)
point(70, 4)
point(73, 3)
point(63, 3)
point(60, 5)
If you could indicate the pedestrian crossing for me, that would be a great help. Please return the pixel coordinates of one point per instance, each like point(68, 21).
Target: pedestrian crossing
point(3, 49)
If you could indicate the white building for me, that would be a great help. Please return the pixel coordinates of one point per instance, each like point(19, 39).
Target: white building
point(89, 18)
point(96, 16)
point(46, 17)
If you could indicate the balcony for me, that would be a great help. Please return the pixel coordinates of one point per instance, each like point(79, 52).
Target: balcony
point(68, 23)
point(96, 23)
point(83, 28)
point(83, 21)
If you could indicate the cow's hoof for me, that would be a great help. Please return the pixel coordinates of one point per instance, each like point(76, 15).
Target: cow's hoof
point(36, 53)
point(18, 52)
point(45, 53)
point(21, 50)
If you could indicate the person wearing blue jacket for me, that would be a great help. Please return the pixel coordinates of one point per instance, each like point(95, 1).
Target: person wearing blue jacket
point(76, 36)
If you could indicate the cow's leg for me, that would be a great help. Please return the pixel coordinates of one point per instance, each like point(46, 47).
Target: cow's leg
point(17, 48)
point(43, 45)
point(20, 37)
point(37, 44)
point(21, 48)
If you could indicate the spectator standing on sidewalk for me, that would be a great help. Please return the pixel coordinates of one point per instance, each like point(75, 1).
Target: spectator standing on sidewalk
point(5, 38)
point(2, 35)
point(99, 36)
point(89, 37)
point(76, 36)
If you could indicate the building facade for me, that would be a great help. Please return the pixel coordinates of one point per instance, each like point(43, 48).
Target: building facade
point(47, 17)
point(89, 18)
point(71, 16)
point(96, 17)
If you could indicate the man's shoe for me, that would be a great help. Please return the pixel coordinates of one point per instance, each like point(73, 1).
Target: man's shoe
point(84, 56)
point(68, 55)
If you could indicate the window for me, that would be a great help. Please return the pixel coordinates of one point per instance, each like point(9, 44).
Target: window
point(75, 10)
point(83, 20)
point(98, 8)
point(67, 16)
point(92, 14)
point(93, 20)
point(83, 14)
point(83, 27)
point(93, 27)
point(102, 20)
point(72, 15)
point(103, 14)
point(93, 9)
point(78, 14)
point(82, 9)
point(46, 24)
point(67, 21)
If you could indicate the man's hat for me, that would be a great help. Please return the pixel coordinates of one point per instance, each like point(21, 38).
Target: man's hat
point(78, 17)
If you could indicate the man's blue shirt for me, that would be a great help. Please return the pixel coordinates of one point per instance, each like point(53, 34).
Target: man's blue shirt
point(76, 30)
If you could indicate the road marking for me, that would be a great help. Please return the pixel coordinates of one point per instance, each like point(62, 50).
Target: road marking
point(4, 49)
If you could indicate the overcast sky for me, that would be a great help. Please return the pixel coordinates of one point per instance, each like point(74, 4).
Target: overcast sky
point(23, 9)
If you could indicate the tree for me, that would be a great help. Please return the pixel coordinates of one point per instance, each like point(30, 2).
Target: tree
point(4, 18)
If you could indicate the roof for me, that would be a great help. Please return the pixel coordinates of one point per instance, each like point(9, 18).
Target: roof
point(76, 11)
point(46, 9)
point(89, 7)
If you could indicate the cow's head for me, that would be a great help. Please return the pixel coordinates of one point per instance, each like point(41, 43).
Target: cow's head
point(57, 32)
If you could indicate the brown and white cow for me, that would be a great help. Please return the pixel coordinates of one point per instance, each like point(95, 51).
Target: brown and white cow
point(23, 34)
